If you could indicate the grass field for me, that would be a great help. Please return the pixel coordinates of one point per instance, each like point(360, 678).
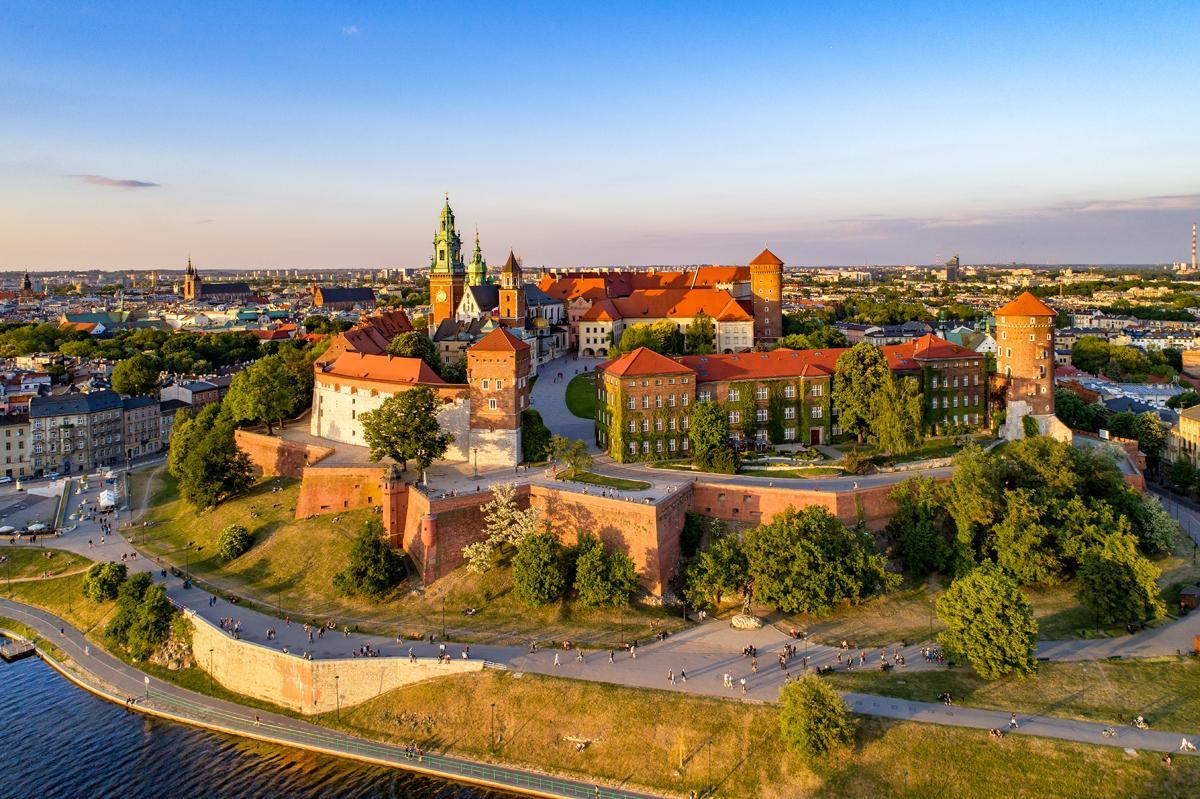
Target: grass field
point(675, 743)
point(1165, 690)
point(609, 482)
point(801, 473)
point(581, 396)
point(63, 596)
point(929, 449)
point(20, 562)
point(292, 562)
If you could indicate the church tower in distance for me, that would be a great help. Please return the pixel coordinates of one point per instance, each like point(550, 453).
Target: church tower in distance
point(477, 268)
point(512, 293)
point(447, 274)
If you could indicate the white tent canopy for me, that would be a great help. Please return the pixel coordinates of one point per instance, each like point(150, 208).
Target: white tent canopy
point(108, 498)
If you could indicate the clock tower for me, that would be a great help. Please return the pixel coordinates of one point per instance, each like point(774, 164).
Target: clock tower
point(447, 273)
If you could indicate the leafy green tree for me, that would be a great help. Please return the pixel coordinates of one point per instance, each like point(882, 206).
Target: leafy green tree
point(1183, 401)
point(103, 580)
point(372, 568)
point(505, 526)
point(602, 578)
point(184, 433)
point(456, 370)
point(1150, 435)
point(896, 416)
point(700, 335)
point(861, 373)
point(265, 393)
point(1023, 546)
point(709, 435)
point(214, 469)
point(141, 620)
point(405, 427)
point(989, 623)
point(1123, 424)
point(818, 338)
point(1118, 584)
point(537, 570)
point(916, 526)
point(233, 542)
point(813, 718)
point(535, 437)
point(573, 455)
point(808, 561)
point(668, 340)
point(136, 376)
point(973, 499)
point(635, 336)
point(416, 345)
point(718, 571)
point(1090, 354)
point(723, 460)
point(1077, 414)
point(1182, 473)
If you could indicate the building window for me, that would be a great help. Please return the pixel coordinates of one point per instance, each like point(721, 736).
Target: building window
point(645, 425)
point(632, 447)
point(492, 404)
point(646, 402)
point(789, 434)
point(760, 415)
point(734, 395)
point(499, 384)
point(658, 445)
point(658, 400)
point(632, 426)
point(735, 417)
point(685, 445)
point(671, 401)
point(671, 424)
point(487, 384)
point(760, 393)
point(703, 396)
point(672, 445)
point(658, 425)
point(789, 413)
point(817, 390)
point(817, 412)
point(646, 447)
point(632, 403)
point(789, 391)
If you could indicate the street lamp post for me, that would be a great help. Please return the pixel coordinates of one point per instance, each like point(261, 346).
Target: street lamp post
point(443, 618)
point(210, 667)
point(337, 696)
point(475, 459)
point(492, 729)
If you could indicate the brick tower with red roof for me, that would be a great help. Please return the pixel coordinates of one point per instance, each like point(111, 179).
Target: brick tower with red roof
point(1025, 355)
point(766, 293)
point(499, 366)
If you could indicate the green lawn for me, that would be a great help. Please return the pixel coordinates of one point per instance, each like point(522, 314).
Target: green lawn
point(672, 743)
point(803, 472)
point(1165, 690)
point(581, 396)
point(609, 482)
point(292, 562)
point(931, 448)
point(32, 561)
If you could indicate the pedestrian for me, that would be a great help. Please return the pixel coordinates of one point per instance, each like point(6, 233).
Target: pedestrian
point(1012, 722)
point(743, 681)
point(610, 656)
point(556, 663)
point(683, 675)
point(671, 676)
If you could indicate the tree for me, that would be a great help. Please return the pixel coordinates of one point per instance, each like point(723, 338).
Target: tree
point(1077, 414)
point(1090, 354)
point(505, 526)
point(822, 337)
point(1024, 546)
point(972, 498)
point(718, 571)
point(896, 416)
point(700, 335)
point(456, 370)
point(808, 561)
point(1185, 400)
point(214, 469)
point(233, 541)
point(103, 580)
point(667, 338)
point(1156, 530)
point(709, 435)
point(1118, 584)
point(989, 623)
point(915, 526)
point(405, 427)
point(573, 455)
point(372, 567)
point(1151, 437)
point(183, 434)
point(1182, 473)
point(813, 718)
point(416, 345)
point(602, 578)
point(265, 393)
point(535, 437)
point(1123, 424)
point(861, 372)
point(635, 336)
point(136, 376)
point(142, 618)
point(537, 570)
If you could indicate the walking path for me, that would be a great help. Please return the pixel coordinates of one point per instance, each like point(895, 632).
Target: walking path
point(104, 675)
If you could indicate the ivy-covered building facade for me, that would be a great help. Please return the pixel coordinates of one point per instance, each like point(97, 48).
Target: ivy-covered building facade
point(781, 397)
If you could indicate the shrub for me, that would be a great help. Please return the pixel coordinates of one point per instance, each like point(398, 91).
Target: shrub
point(535, 437)
point(813, 719)
point(142, 620)
point(603, 578)
point(233, 541)
point(1030, 426)
point(103, 580)
point(854, 462)
point(537, 570)
point(372, 567)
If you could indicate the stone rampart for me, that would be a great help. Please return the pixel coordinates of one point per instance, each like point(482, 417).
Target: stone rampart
point(275, 456)
point(307, 686)
point(331, 489)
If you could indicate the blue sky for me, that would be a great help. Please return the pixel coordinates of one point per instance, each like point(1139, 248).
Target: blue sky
point(318, 134)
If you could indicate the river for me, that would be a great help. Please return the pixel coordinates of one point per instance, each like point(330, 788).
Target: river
point(57, 740)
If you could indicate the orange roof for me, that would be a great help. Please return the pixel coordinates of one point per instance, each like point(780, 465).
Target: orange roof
point(778, 363)
point(927, 347)
point(766, 258)
point(681, 304)
point(643, 361)
point(1026, 305)
point(83, 327)
point(602, 310)
point(500, 340)
point(383, 368)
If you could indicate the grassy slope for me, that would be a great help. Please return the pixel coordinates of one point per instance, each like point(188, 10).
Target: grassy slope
point(638, 737)
point(1165, 690)
point(581, 396)
point(32, 561)
point(293, 562)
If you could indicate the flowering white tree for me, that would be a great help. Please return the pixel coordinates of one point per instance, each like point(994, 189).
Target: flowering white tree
point(505, 526)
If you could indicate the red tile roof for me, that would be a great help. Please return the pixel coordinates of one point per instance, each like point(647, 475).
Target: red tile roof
point(500, 340)
point(643, 361)
point(766, 258)
point(602, 310)
point(383, 368)
point(681, 304)
point(776, 364)
point(1025, 305)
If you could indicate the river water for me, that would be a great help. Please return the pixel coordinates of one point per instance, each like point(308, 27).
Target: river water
point(57, 740)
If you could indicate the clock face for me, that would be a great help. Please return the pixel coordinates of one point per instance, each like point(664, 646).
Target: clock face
point(441, 295)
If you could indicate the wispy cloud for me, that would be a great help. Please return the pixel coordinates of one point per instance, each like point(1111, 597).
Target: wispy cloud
point(350, 30)
point(117, 183)
point(204, 221)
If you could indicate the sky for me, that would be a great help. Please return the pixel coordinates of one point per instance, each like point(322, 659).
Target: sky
point(310, 135)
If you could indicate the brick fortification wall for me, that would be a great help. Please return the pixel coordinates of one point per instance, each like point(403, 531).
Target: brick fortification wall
point(325, 489)
point(274, 456)
point(307, 686)
point(754, 505)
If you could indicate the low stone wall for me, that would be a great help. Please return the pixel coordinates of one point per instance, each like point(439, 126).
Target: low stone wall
point(275, 456)
point(307, 686)
point(331, 489)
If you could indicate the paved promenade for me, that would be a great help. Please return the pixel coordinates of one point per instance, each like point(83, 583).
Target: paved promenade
point(108, 677)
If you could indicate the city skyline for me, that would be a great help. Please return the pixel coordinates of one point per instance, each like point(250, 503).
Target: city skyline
point(325, 138)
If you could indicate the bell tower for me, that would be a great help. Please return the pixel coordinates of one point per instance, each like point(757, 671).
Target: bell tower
point(191, 282)
point(766, 295)
point(477, 268)
point(447, 274)
point(512, 293)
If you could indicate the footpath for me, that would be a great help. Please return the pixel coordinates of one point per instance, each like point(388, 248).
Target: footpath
point(98, 672)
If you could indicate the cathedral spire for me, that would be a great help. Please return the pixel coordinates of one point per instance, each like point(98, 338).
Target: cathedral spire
point(477, 268)
point(447, 244)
